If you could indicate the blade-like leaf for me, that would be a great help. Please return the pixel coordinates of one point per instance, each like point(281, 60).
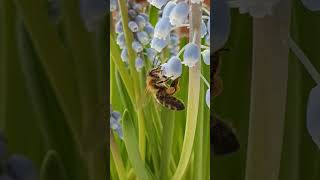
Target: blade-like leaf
point(52, 167)
point(131, 143)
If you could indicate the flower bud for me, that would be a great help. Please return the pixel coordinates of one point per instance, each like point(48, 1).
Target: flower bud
point(191, 55)
point(206, 56)
point(207, 39)
point(124, 55)
point(208, 98)
point(179, 13)
point(121, 41)
point(137, 7)
point(136, 46)
point(93, 13)
point(133, 26)
point(114, 120)
point(149, 29)
point(168, 9)
point(132, 13)
point(203, 29)
point(151, 53)
point(140, 21)
point(313, 115)
point(139, 63)
point(159, 44)
point(221, 25)
point(145, 16)
point(119, 28)
point(20, 167)
point(312, 5)
point(143, 37)
point(162, 28)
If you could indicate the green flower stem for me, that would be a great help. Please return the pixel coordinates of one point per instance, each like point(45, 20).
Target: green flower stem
point(304, 60)
point(129, 39)
point(166, 144)
point(117, 158)
point(193, 96)
point(205, 80)
point(114, 53)
point(199, 168)
point(268, 94)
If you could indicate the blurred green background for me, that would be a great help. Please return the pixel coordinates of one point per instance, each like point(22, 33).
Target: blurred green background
point(53, 89)
point(300, 157)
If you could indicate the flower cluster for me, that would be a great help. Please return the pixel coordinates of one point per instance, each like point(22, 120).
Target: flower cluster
point(16, 166)
point(115, 117)
point(174, 15)
point(142, 32)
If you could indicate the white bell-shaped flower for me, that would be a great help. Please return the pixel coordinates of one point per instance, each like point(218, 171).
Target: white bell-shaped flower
point(313, 115)
point(191, 55)
point(172, 68)
point(179, 13)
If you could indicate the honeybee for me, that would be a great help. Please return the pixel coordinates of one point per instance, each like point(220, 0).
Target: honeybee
point(216, 80)
point(157, 85)
point(223, 138)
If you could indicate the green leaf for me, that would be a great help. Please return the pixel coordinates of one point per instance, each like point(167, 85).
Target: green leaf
point(123, 93)
point(17, 114)
point(131, 143)
point(153, 15)
point(52, 167)
point(55, 60)
point(83, 56)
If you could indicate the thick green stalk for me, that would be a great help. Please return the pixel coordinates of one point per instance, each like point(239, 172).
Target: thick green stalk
point(268, 94)
point(117, 158)
point(199, 168)
point(129, 39)
point(193, 96)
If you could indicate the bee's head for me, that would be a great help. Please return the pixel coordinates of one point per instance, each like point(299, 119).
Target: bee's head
point(155, 72)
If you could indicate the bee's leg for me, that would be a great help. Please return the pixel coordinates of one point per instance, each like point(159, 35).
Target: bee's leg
point(170, 90)
point(175, 84)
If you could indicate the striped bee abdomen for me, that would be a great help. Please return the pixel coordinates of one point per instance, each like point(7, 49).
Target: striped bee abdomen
point(169, 102)
point(223, 139)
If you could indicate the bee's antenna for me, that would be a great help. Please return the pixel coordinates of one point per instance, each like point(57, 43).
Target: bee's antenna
point(155, 61)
